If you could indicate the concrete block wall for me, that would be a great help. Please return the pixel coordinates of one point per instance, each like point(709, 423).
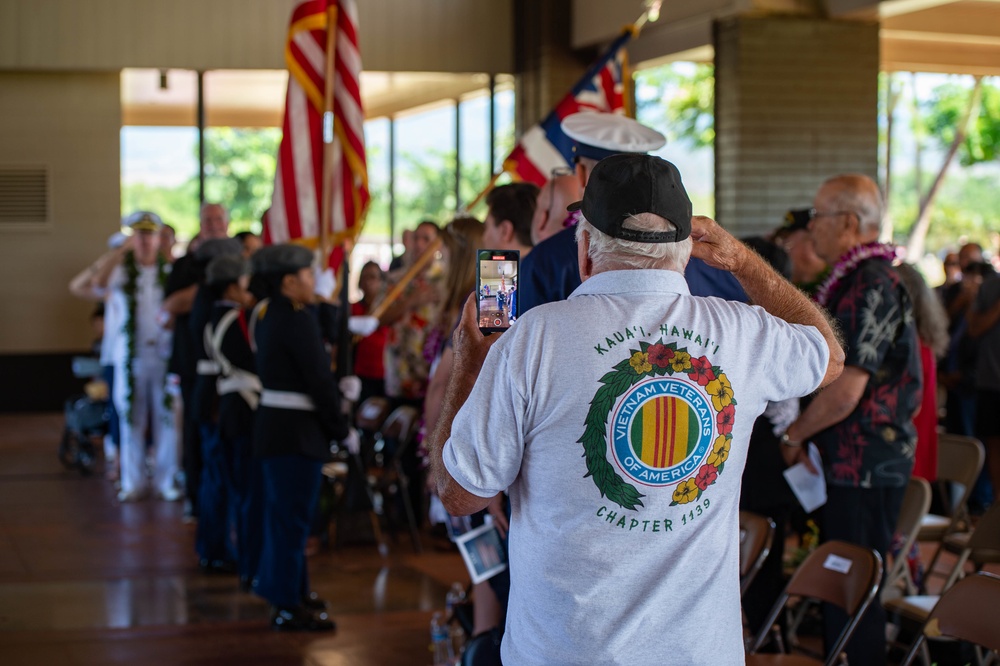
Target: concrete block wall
point(796, 101)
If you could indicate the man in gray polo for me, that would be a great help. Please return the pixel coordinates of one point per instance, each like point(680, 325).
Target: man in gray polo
point(618, 421)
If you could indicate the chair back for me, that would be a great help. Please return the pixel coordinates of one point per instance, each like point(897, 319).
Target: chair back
point(400, 428)
point(916, 504)
point(756, 537)
point(967, 612)
point(960, 459)
point(843, 574)
point(984, 543)
point(372, 413)
point(839, 573)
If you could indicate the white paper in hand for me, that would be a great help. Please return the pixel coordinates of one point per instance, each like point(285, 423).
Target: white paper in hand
point(809, 488)
point(362, 325)
point(326, 283)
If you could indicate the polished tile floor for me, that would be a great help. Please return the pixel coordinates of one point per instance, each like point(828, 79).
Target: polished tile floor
point(85, 580)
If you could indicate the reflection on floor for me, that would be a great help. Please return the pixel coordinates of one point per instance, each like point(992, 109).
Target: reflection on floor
point(85, 580)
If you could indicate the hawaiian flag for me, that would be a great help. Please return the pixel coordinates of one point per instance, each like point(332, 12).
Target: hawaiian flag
point(544, 147)
point(295, 213)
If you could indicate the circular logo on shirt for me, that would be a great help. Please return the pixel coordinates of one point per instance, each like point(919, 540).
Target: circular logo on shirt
point(667, 418)
point(661, 431)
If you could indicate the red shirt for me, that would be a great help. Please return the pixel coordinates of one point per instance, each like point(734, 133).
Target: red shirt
point(368, 352)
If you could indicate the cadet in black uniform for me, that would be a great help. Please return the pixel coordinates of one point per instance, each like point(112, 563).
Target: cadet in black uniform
point(299, 415)
point(213, 541)
point(239, 394)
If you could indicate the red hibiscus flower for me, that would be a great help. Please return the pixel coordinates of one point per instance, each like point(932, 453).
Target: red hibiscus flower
point(660, 355)
point(706, 476)
point(701, 371)
point(726, 418)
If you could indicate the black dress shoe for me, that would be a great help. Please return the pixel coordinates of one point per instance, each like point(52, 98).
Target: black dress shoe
point(217, 567)
point(300, 619)
point(313, 602)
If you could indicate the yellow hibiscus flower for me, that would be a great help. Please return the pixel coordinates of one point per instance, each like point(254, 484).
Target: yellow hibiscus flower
point(681, 362)
point(721, 391)
point(720, 451)
point(686, 492)
point(640, 363)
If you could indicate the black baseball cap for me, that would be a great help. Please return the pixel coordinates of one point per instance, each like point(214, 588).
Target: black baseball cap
point(797, 219)
point(625, 185)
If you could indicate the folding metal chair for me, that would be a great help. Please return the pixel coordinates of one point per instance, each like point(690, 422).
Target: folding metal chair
point(960, 459)
point(386, 477)
point(966, 612)
point(348, 472)
point(837, 572)
point(756, 537)
point(916, 504)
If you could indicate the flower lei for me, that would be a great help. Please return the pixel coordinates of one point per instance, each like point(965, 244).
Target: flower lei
point(846, 265)
point(131, 268)
point(657, 360)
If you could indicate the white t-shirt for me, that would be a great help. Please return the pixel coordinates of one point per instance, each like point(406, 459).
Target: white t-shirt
point(619, 422)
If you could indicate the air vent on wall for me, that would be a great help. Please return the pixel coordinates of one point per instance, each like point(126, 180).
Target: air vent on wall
point(24, 197)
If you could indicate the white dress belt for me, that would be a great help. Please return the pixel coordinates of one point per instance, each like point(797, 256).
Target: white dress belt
point(287, 400)
point(207, 366)
point(245, 383)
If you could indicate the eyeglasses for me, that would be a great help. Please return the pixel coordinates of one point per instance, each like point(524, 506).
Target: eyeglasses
point(814, 214)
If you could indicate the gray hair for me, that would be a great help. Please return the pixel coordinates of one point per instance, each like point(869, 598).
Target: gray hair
point(860, 195)
point(610, 254)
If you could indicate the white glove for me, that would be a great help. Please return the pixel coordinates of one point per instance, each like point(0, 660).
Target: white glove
point(326, 283)
point(350, 388)
point(362, 325)
point(352, 442)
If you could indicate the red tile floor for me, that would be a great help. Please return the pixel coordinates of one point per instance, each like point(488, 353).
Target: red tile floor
point(86, 580)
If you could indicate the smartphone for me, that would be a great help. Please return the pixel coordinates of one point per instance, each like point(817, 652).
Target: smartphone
point(496, 289)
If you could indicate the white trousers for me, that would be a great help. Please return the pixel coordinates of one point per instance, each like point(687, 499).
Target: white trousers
point(148, 414)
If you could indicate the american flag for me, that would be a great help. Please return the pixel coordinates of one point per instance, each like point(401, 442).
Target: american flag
point(295, 213)
point(544, 147)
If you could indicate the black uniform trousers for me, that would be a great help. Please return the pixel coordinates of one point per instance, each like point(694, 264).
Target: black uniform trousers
point(291, 490)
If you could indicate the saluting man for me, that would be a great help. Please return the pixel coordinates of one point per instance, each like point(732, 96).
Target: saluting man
point(139, 353)
point(299, 415)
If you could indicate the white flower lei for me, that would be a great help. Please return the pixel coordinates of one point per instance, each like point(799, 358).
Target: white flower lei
point(847, 263)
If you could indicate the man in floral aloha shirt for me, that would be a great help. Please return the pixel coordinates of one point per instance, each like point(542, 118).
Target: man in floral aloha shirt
point(863, 422)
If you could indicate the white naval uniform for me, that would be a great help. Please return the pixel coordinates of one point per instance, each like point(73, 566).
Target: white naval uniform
point(149, 368)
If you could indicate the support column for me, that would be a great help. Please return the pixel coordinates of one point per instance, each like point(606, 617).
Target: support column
point(796, 101)
point(545, 64)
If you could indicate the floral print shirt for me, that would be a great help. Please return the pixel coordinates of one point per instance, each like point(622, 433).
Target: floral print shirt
point(873, 447)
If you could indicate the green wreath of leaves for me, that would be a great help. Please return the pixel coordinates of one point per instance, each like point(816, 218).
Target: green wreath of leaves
point(615, 383)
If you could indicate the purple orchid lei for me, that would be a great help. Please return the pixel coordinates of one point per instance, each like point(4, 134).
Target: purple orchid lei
point(847, 263)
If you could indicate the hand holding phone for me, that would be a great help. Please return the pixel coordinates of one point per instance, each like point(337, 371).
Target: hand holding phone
point(496, 289)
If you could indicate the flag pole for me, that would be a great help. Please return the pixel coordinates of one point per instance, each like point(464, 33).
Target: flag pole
point(421, 262)
point(326, 213)
point(486, 190)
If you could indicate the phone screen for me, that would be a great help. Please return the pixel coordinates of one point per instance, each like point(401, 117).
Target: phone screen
point(496, 289)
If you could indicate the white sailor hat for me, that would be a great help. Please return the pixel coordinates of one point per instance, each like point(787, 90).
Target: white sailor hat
point(600, 135)
point(116, 240)
point(143, 220)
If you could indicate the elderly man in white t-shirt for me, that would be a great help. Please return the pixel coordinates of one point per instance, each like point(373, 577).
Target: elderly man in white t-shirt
point(618, 422)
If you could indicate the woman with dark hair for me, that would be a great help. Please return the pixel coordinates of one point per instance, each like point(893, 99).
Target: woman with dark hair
point(932, 329)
